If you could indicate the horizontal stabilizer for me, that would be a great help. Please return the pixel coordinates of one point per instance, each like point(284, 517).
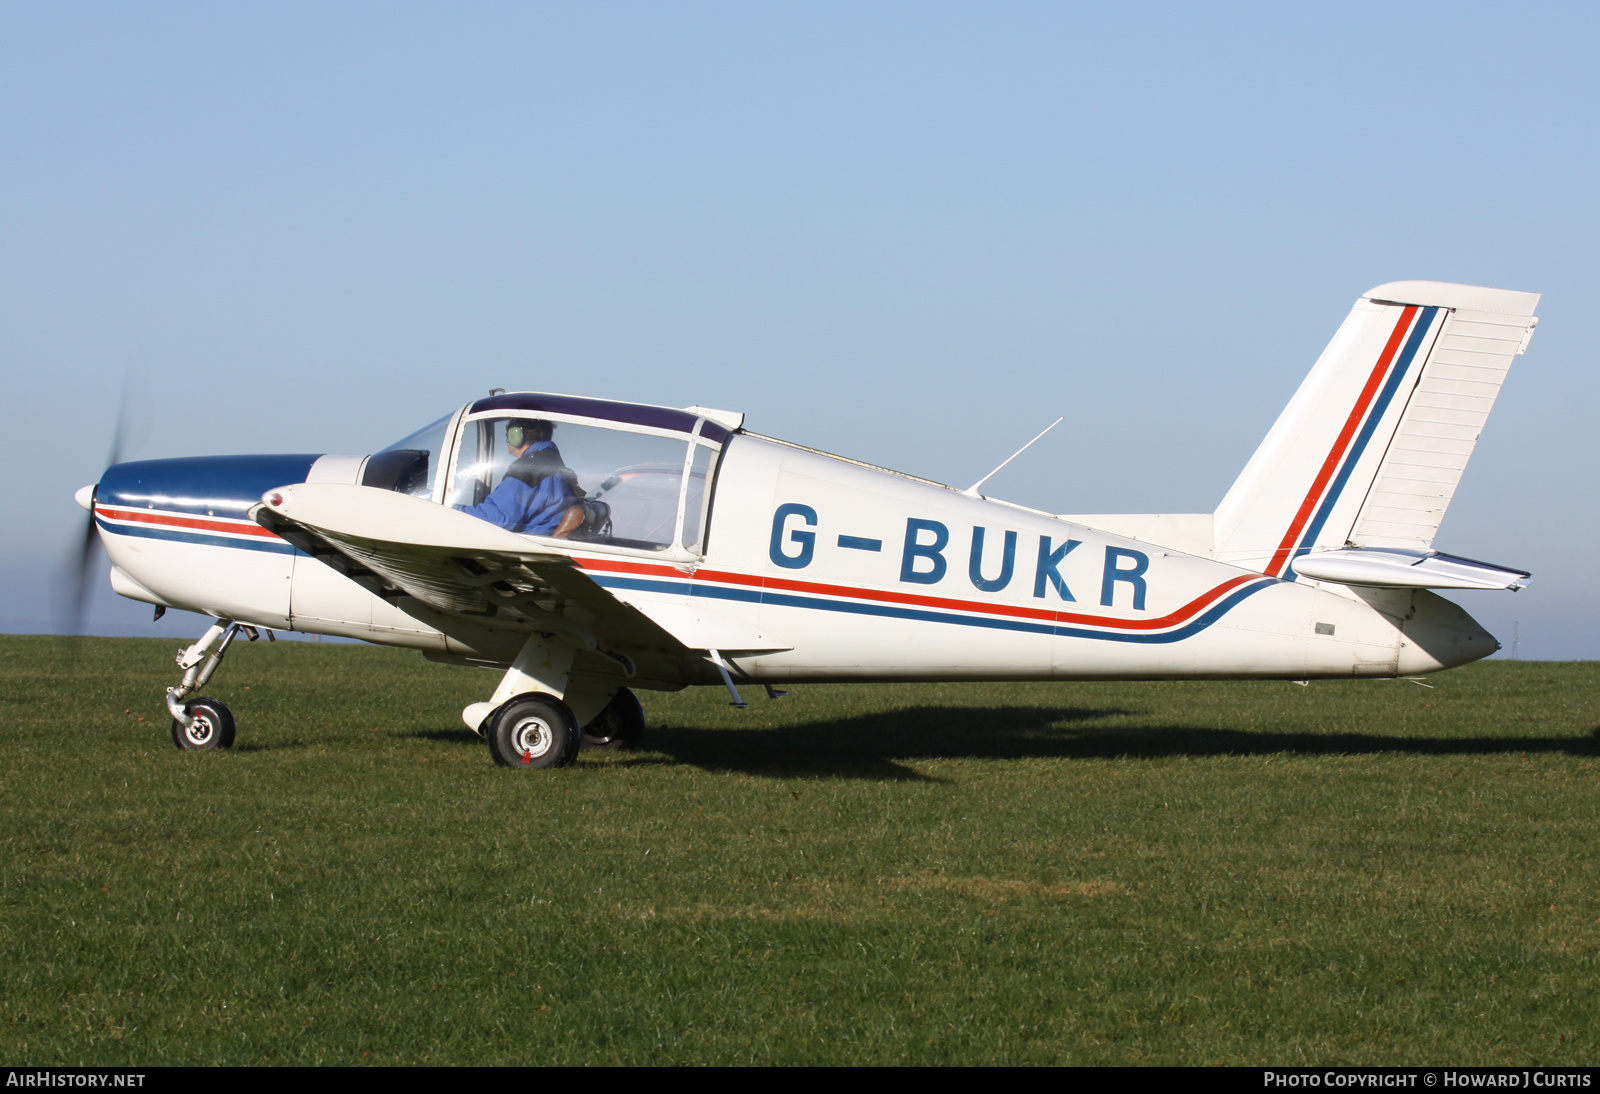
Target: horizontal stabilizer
point(1402, 569)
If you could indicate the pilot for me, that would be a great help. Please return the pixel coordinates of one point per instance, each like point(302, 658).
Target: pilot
point(539, 495)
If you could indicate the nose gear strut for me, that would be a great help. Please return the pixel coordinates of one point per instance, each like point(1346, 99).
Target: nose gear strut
point(200, 660)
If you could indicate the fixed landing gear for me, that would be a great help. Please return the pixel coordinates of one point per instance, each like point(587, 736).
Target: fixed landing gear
point(533, 731)
point(620, 725)
point(210, 726)
point(536, 730)
point(203, 724)
point(539, 717)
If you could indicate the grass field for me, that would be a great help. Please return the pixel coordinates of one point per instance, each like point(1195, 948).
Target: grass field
point(1187, 873)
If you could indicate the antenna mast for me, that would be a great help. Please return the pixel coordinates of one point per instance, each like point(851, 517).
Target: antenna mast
point(972, 491)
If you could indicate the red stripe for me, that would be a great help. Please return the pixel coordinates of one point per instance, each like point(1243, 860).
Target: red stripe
point(1194, 607)
point(143, 516)
point(1280, 557)
point(1182, 615)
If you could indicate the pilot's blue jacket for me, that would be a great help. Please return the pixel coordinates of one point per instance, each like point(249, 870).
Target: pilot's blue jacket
point(535, 494)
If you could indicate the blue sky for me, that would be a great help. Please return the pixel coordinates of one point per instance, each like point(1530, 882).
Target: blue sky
point(911, 233)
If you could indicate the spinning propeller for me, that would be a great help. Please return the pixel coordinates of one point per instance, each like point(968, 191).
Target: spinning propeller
point(73, 598)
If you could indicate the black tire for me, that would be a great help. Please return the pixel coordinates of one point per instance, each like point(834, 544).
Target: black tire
point(213, 726)
point(533, 731)
point(620, 725)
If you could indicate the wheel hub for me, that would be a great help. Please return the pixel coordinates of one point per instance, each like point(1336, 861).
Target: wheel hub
point(532, 738)
point(199, 730)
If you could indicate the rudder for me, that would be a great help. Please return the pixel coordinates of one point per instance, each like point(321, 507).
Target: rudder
point(1370, 449)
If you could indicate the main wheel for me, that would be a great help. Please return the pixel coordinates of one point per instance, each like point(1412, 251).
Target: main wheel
point(212, 726)
point(533, 731)
point(619, 725)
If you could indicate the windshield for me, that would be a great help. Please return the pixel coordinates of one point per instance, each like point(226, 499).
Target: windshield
point(580, 482)
point(410, 465)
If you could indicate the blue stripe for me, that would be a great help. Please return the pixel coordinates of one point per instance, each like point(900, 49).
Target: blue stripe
point(277, 547)
point(856, 543)
point(1414, 343)
point(894, 611)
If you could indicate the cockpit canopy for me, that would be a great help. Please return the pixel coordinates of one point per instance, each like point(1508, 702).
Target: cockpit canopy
point(589, 470)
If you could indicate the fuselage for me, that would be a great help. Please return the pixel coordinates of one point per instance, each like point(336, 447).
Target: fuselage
point(846, 571)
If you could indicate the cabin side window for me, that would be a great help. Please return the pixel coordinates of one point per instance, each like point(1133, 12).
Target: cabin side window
point(581, 482)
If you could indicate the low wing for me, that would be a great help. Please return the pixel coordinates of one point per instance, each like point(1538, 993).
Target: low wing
point(456, 564)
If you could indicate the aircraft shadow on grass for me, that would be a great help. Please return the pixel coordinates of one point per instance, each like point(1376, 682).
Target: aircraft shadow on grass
point(870, 746)
point(877, 746)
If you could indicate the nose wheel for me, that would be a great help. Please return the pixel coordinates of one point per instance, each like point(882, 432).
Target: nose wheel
point(201, 724)
point(210, 726)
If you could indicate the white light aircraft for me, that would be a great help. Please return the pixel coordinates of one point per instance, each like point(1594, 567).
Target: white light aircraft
point(615, 546)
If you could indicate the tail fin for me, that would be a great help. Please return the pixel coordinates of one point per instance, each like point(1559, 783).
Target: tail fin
point(1369, 450)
